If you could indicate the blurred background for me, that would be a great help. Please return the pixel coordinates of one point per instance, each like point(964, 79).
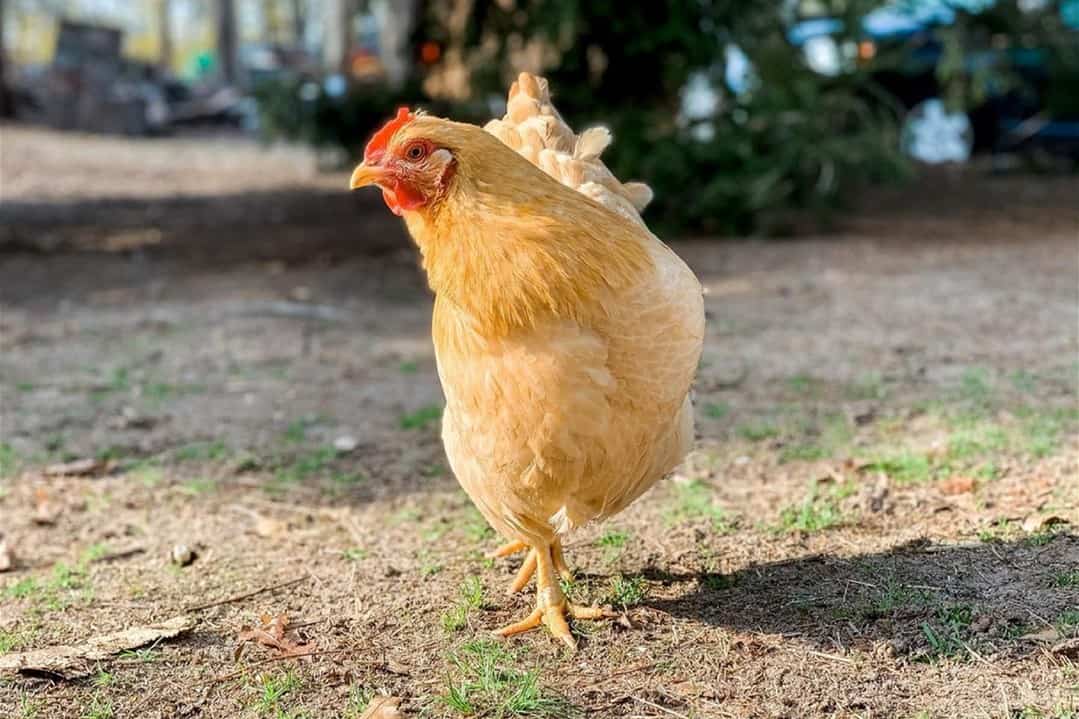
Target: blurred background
point(783, 106)
point(216, 371)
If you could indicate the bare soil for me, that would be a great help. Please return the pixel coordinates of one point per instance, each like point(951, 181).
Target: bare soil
point(879, 520)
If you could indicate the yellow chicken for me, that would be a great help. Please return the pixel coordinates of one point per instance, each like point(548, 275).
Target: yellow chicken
point(566, 335)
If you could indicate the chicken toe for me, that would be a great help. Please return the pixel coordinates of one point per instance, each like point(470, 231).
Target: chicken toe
point(552, 607)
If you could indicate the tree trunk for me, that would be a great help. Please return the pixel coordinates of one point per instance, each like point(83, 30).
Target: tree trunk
point(7, 101)
point(299, 23)
point(164, 35)
point(394, 50)
point(226, 41)
point(337, 34)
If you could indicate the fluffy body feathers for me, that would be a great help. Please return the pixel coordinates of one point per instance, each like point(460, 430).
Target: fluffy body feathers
point(566, 334)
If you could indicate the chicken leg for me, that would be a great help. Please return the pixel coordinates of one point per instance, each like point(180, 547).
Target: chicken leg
point(552, 607)
point(528, 567)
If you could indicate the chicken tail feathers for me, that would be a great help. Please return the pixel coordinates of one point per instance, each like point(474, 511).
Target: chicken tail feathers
point(533, 128)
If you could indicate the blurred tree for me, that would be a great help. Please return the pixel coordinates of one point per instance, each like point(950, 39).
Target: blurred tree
point(6, 104)
point(226, 41)
point(299, 22)
point(791, 138)
point(337, 33)
point(164, 34)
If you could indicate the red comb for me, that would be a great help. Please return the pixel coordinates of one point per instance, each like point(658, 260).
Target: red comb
point(377, 145)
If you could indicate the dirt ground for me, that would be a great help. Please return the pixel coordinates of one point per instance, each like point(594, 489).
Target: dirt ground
point(879, 520)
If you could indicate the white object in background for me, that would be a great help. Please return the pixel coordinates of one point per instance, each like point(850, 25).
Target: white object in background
point(933, 135)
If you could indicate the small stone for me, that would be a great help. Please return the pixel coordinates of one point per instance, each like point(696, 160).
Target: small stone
point(345, 444)
point(183, 555)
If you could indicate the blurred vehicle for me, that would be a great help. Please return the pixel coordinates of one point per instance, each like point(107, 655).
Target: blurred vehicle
point(1020, 115)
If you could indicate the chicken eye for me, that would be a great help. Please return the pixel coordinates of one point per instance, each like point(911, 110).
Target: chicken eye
point(415, 152)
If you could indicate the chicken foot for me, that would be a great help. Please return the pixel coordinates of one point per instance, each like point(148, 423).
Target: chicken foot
point(552, 607)
point(528, 568)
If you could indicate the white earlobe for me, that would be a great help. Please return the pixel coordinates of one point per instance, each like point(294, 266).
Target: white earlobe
point(441, 156)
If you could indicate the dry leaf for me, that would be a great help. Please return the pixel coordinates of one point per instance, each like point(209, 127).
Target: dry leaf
point(271, 633)
point(382, 707)
point(78, 468)
point(959, 484)
point(78, 660)
point(45, 510)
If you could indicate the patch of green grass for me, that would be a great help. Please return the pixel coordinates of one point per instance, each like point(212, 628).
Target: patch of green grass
point(24, 386)
point(102, 678)
point(904, 467)
point(804, 384)
point(1043, 536)
point(1069, 578)
point(60, 589)
point(476, 528)
point(358, 699)
point(296, 431)
point(147, 474)
point(159, 392)
point(9, 460)
point(1067, 622)
point(627, 591)
point(945, 636)
point(408, 367)
point(894, 596)
point(421, 418)
point(25, 587)
point(999, 531)
point(758, 431)
point(613, 541)
point(200, 485)
point(305, 465)
point(146, 655)
point(435, 469)
point(272, 688)
point(976, 441)
point(118, 381)
point(470, 598)
point(803, 453)
point(1039, 431)
point(487, 683)
point(717, 410)
point(10, 640)
point(815, 513)
point(975, 385)
point(1024, 381)
point(28, 709)
point(694, 500)
point(355, 554)
point(213, 451)
point(99, 708)
point(867, 387)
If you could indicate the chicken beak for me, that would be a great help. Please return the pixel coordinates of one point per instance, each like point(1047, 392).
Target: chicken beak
point(365, 175)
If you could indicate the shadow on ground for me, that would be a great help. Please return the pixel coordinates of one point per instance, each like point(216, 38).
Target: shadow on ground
point(923, 599)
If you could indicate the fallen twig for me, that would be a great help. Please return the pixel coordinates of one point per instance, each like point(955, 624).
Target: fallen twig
point(247, 595)
point(271, 660)
point(663, 709)
point(833, 657)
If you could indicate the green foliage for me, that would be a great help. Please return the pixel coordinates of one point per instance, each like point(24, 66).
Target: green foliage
point(817, 512)
point(693, 500)
point(421, 418)
point(486, 683)
point(471, 597)
point(627, 591)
